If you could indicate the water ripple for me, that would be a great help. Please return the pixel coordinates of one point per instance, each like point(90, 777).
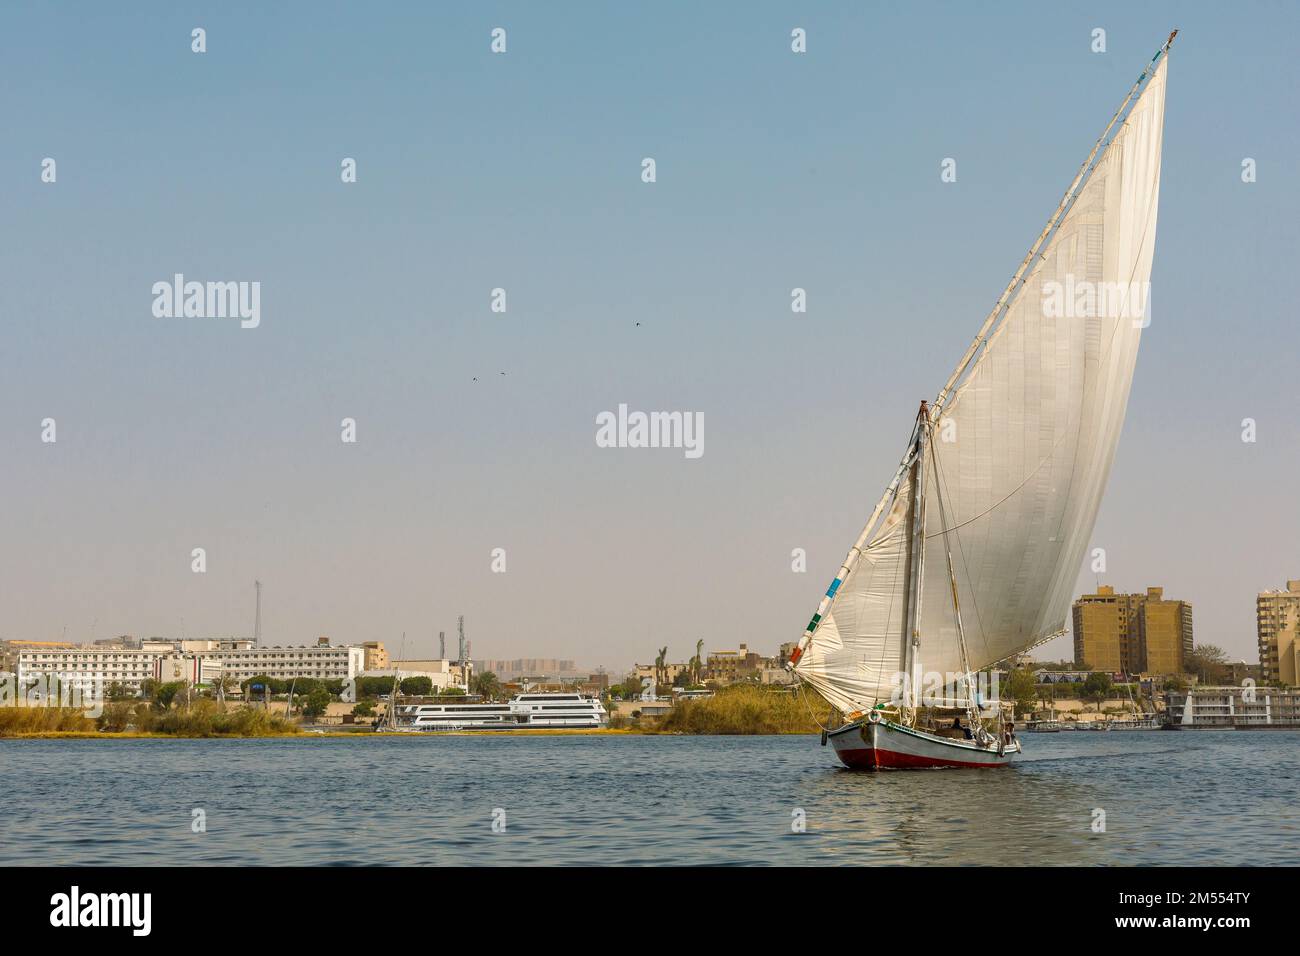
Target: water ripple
point(1200, 798)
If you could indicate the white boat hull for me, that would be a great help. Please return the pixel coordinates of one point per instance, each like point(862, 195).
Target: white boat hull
point(864, 745)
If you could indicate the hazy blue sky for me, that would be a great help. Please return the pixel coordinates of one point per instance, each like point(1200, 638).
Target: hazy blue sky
point(522, 171)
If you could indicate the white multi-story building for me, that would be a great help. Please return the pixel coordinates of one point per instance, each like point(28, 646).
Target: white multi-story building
point(88, 666)
point(285, 663)
point(164, 662)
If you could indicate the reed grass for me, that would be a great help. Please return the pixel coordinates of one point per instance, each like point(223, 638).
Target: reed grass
point(748, 709)
point(16, 721)
point(204, 718)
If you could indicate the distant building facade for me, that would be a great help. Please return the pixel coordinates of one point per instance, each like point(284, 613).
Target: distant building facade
point(122, 640)
point(671, 672)
point(9, 651)
point(520, 666)
point(444, 673)
point(1237, 672)
point(376, 656)
point(1277, 623)
point(1132, 633)
point(728, 667)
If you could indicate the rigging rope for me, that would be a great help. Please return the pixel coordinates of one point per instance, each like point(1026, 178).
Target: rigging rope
point(803, 693)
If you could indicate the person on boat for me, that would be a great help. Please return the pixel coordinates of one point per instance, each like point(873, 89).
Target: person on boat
point(965, 731)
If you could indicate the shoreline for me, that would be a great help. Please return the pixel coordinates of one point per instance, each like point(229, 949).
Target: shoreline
point(365, 734)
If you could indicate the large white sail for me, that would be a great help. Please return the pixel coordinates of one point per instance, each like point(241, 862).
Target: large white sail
point(1022, 448)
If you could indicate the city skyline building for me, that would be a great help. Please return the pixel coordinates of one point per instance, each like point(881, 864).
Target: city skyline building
point(1139, 633)
point(1277, 622)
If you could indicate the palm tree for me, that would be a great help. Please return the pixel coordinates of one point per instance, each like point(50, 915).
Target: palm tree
point(696, 662)
point(661, 668)
point(1097, 687)
point(486, 685)
point(1046, 695)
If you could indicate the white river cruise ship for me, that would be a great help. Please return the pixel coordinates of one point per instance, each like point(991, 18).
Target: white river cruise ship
point(525, 711)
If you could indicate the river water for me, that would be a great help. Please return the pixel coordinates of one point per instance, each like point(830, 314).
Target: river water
point(1194, 798)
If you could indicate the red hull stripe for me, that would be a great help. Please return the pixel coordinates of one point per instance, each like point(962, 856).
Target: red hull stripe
point(888, 759)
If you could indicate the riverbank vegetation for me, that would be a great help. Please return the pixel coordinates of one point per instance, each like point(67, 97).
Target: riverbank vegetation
point(201, 719)
point(747, 709)
point(17, 721)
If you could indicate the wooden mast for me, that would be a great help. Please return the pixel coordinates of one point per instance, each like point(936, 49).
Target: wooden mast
point(916, 569)
point(392, 697)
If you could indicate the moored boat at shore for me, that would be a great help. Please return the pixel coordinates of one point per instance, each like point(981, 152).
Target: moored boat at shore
point(549, 711)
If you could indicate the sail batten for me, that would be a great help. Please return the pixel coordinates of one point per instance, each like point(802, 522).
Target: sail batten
point(1022, 440)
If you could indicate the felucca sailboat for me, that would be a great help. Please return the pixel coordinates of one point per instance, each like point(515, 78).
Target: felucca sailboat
point(971, 555)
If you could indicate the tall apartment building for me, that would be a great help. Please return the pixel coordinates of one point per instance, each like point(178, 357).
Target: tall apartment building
point(1104, 635)
point(1132, 633)
point(1277, 623)
point(1164, 633)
